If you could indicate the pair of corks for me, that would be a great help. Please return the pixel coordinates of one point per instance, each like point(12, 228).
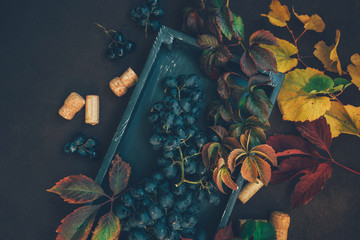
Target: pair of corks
point(280, 221)
point(75, 102)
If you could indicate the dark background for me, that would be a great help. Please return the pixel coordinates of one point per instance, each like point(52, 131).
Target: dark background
point(50, 48)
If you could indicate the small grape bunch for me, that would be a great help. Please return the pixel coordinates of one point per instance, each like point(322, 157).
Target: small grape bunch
point(82, 145)
point(147, 15)
point(119, 46)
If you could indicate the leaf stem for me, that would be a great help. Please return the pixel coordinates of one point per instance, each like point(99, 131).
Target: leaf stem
point(297, 39)
point(295, 43)
point(340, 165)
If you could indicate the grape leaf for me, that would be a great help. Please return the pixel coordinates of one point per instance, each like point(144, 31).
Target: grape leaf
point(286, 145)
point(259, 104)
point(343, 119)
point(226, 111)
point(339, 85)
point(328, 55)
point(263, 37)
point(316, 132)
point(263, 58)
point(192, 22)
point(207, 60)
point(225, 233)
point(207, 42)
point(247, 64)
point(214, 28)
point(238, 27)
point(218, 3)
point(223, 86)
point(224, 20)
point(77, 225)
point(119, 175)
point(108, 228)
point(318, 84)
point(354, 69)
point(291, 167)
point(310, 184)
point(77, 189)
point(314, 22)
point(278, 15)
point(258, 80)
point(223, 55)
point(283, 52)
point(220, 131)
point(297, 105)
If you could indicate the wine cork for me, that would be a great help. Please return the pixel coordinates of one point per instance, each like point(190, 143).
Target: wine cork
point(249, 190)
point(72, 104)
point(120, 85)
point(281, 222)
point(92, 109)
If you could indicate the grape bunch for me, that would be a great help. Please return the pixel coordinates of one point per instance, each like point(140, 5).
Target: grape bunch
point(147, 15)
point(118, 46)
point(82, 145)
point(167, 204)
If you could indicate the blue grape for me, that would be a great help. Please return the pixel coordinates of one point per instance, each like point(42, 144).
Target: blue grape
point(170, 170)
point(150, 186)
point(122, 211)
point(160, 230)
point(128, 200)
point(175, 221)
point(155, 211)
point(137, 193)
point(166, 199)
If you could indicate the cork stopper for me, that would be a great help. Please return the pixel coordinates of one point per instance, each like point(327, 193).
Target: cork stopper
point(120, 85)
point(92, 109)
point(72, 104)
point(281, 222)
point(249, 190)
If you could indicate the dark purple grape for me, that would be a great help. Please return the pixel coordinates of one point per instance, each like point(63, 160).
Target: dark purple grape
point(122, 211)
point(150, 186)
point(160, 231)
point(155, 211)
point(175, 220)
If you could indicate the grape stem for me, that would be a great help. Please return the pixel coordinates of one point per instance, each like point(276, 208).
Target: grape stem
point(105, 30)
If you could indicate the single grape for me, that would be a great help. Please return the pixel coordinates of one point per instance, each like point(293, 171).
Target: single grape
point(189, 220)
point(156, 140)
point(158, 177)
point(158, 12)
point(170, 170)
point(195, 111)
point(81, 151)
point(180, 132)
point(120, 52)
point(197, 95)
point(122, 211)
point(201, 169)
point(190, 166)
point(175, 220)
point(118, 37)
point(160, 231)
point(189, 119)
point(168, 120)
point(155, 211)
point(129, 46)
point(171, 143)
point(180, 190)
point(110, 54)
point(179, 121)
point(213, 198)
point(153, 117)
point(141, 218)
point(68, 148)
point(194, 208)
point(192, 81)
point(79, 139)
point(200, 196)
point(169, 154)
point(128, 200)
point(200, 139)
point(171, 82)
point(91, 143)
point(182, 203)
point(137, 193)
point(150, 186)
point(174, 93)
point(166, 199)
point(185, 104)
point(158, 106)
point(174, 106)
point(145, 202)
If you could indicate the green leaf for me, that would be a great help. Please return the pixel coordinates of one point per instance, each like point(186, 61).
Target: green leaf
point(248, 230)
point(318, 84)
point(77, 225)
point(339, 85)
point(206, 41)
point(238, 27)
point(225, 22)
point(263, 58)
point(119, 175)
point(108, 228)
point(77, 189)
point(264, 231)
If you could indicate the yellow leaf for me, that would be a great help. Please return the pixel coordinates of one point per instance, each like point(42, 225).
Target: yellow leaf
point(343, 119)
point(283, 53)
point(354, 69)
point(314, 22)
point(298, 105)
point(279, 14)
point(328, 55)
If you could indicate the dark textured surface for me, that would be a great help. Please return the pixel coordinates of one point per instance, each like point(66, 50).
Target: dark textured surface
point(49, 49)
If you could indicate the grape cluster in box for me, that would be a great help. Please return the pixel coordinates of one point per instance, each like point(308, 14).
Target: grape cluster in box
point(166, 205)
point(147, 15)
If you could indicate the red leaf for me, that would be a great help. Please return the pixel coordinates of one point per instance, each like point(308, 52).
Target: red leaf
point(291, 167)
point(231, 143)
point(217, 179)
point(77, 189)
point(263, 58)
point(225, 233)
point(205, 156)
point(226, 112)
point(220, 131)
point(310, 184)
point(291, 152)
point(192, 22)
point(263, 37)
point(77, 225)
point(226, 178)
point(119, 175)
point(248, 65)
point(280, 143)
point(223, 87)
point(317, 132)
point(108, 228)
